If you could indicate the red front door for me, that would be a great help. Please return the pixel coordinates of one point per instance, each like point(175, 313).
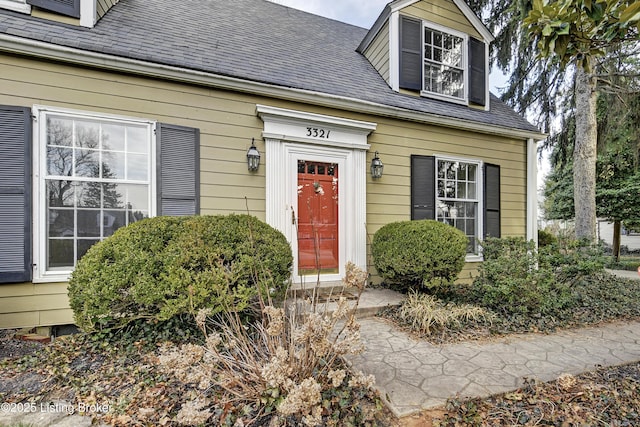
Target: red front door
point(317, 218)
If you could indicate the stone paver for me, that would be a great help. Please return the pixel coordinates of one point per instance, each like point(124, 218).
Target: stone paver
point(414, 375)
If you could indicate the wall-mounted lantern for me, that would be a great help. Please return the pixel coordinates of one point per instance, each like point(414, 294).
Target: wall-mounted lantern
point(376, 167)
point(253, 157)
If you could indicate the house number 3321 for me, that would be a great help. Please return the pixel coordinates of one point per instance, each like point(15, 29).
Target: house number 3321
point(318, 132)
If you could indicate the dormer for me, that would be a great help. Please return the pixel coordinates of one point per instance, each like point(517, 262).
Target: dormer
point(432, 48)
point(84, 13)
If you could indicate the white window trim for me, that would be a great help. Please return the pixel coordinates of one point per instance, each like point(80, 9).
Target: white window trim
point(40, 275)
point(465, 63)
point(480, 195)
point(15, 5)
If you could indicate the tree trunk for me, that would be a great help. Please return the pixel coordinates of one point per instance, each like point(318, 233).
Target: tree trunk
point(584, 155)
point(615, 246)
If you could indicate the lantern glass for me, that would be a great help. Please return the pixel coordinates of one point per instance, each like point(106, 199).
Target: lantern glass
point(377, 167)
point(253, 158)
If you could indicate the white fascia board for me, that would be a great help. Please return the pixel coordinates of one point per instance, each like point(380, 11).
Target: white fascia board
point(102, 61)
point(475, 21)
point(401, 4)
point(394, 51)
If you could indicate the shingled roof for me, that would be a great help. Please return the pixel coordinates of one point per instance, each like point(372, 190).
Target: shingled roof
point(254, 40)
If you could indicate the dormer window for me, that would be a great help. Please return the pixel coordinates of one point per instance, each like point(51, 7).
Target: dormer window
point(444, 63)
point(440, 62)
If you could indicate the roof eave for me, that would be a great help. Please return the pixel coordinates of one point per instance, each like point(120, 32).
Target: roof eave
point(18, 45)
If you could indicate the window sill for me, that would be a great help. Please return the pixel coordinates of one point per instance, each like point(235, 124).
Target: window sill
point(52, 278)
point(452, 99)
point(15, 6)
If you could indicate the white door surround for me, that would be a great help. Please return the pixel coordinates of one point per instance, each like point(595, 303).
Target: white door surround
point(296, 135)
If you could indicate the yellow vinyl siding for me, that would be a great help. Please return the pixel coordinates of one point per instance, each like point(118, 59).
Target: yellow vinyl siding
point(51, 16)
point(378, 52)
point(25, 305)
point(227, 122)
point(442, 12)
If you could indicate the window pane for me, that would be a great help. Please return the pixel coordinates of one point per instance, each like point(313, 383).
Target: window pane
point(60, 253)
point(61, 223)
point(137, 197)
point(112, 220)
point(88, 223)
point(112, 165)
point(137, 167)
point(60, 193)
point(87, 134)
point(59, 131)
point(427, 36)
point(84, 245)
point(441, 187)
point(89, 194)
point(471, 191)
point(437, 54)
point(462, 172)
point(472, 172)
point(427, 52)
point(59, 161)
point(87, 163)
point(451, 168)
point(462, 190)
point(114, 195)
point(437, 38)
point(113, 137)
point(137, 140)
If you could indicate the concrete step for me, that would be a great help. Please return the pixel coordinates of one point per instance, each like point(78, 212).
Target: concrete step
point(371, 300)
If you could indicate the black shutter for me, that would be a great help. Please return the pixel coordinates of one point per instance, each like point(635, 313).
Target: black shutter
point(491, 200)
point(410, 54)
point(423, 187)
point(477, 72)
point(178, 173)
point(63, 7)
point(15, 194)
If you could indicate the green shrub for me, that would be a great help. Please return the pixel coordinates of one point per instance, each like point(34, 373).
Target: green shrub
point(624, 263)
point(513, 281)
point(570, 260)
point(546, 238)
point(415, 254)
point(163, 267)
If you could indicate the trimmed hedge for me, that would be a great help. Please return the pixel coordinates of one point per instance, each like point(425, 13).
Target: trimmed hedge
point(415, 254)
point(162, 267)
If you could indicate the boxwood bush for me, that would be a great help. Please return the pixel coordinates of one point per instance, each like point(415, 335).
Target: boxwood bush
point(163, 267)
point(415, 254)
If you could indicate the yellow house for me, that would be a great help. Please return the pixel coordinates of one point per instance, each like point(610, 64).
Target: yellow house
point(112, 111)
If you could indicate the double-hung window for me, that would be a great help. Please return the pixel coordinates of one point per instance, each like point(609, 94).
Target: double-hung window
point(444, 63)
point(464, 193)
point(94, 176)
point(458, 198)
point(441, 62)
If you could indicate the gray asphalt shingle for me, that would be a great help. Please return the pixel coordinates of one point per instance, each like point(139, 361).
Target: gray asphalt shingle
point(254, 40)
